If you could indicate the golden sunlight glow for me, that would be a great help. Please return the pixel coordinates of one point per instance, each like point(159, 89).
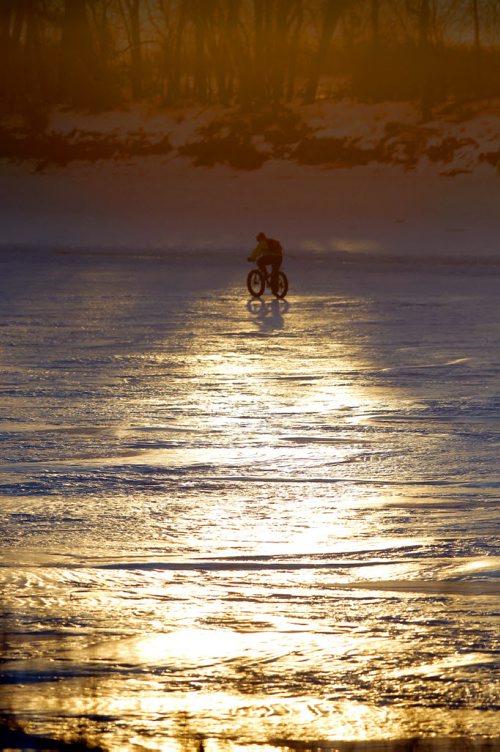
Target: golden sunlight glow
point(269, 568)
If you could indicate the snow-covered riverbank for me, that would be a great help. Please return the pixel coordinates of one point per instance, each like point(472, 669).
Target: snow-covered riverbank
point(436, 190)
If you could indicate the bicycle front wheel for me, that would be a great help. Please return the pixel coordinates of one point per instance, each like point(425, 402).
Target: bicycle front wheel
point(282, 289)
point(255, 283)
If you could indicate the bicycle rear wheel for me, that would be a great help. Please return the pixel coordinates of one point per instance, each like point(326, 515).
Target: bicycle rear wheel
point(282, 285)
point(255, 283)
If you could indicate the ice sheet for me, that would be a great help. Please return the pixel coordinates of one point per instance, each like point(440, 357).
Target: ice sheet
point(249, 522)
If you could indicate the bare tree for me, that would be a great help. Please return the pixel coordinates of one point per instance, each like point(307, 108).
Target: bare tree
point(375, 22)
point(131, 12)
point(90, 53)
point(476, 26)
point(332, 12)
point(296, 27)
point(12, 20)
point(78, 60)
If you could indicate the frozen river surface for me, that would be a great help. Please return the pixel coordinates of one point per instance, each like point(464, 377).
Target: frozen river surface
point(229, 523)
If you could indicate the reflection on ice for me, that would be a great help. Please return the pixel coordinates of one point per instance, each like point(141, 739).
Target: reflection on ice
point(248, 522)
point(268, 315)
point(258, 722)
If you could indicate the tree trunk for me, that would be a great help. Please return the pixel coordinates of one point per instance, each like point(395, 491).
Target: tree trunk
point(108, 90)
point(477, 30)
point(173, 58)
point(424, 21)
point(332, 12)
point(200, 67)
point(34, 58)
point(258, 85)
point(375, 22)
point(233, 47)
point(7, 53)
point(293, 53)
point(278, 56)
point(77, 58)
point(136, 68)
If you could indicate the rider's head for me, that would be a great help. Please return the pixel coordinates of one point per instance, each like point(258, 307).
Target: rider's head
point(261, 236)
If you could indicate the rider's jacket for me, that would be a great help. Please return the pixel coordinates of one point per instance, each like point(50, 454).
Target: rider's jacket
point(263, 248)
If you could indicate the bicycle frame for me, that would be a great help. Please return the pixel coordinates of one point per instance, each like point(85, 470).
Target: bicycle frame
point(265, 277)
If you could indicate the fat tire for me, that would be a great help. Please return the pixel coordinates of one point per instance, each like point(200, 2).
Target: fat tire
point(255, 283)
point(282, 286)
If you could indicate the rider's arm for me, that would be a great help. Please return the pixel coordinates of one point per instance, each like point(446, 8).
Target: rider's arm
point(259, 249)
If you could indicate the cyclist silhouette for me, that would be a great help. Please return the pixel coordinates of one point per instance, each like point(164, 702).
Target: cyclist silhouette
point(268, 252)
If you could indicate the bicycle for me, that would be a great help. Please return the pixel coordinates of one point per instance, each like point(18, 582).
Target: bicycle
point(257, 282)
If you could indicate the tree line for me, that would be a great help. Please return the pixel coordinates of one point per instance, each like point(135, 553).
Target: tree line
point(99, 54)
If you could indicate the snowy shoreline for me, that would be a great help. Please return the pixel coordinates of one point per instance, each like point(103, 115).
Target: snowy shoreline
point(445, 206)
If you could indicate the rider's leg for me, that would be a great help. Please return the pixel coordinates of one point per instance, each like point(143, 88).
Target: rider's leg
point(264, 261)
point(262, 264)
point(275, 267)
